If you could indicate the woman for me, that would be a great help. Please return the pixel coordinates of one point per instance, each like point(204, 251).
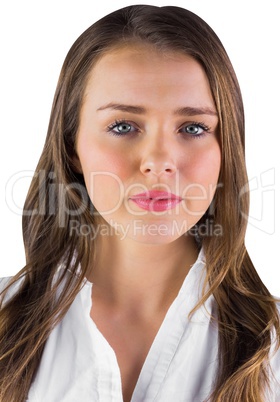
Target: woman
point(138, 285)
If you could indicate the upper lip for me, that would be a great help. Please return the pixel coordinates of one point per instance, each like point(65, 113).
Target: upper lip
point(156, 195)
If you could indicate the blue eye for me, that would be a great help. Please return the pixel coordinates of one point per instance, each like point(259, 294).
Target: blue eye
point(121, 128)
point(195, 129)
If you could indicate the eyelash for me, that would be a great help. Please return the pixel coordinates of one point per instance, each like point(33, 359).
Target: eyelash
point(206, 129)
point(116, 123)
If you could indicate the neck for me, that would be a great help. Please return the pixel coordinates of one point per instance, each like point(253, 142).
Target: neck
point(134, 275)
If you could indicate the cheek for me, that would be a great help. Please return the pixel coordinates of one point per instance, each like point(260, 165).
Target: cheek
point(105, 173)
point(99, 157)
point(201, 176)
point(204, 165)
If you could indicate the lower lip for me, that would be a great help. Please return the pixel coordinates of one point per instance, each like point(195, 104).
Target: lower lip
point(156, 205)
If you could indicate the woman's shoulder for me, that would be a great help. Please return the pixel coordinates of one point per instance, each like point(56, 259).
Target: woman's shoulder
point(10, 285)
point(275, 363)
point(8, 288)
point(4, 282)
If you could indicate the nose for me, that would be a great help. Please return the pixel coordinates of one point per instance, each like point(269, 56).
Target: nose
point(158, 163)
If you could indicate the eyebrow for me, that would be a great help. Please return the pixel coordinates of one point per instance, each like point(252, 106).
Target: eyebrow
point(183, 111)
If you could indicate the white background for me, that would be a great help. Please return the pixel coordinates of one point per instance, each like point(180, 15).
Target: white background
point(35, 37)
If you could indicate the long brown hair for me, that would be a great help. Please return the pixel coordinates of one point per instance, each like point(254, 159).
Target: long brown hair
point(246, 311)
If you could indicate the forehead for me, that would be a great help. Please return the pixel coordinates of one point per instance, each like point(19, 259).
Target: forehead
point(143, 72)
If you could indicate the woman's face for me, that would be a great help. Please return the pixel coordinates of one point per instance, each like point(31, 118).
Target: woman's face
point(147, 142)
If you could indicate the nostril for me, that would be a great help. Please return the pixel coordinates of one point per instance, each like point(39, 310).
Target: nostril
point(159, 173)
point(158, 168)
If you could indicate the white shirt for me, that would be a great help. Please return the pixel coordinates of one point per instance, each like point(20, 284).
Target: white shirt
point(78, 364)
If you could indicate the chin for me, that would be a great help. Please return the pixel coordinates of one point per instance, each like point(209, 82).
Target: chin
point(150, 240)
point(155, 232)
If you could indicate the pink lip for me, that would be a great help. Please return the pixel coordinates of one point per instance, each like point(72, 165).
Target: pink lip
point(156, 200)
